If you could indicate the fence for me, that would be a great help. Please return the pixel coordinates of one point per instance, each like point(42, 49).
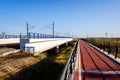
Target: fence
point(9, 36)
point(109, 45)
point(32, 35)
point(38, 35)
point(68, 70)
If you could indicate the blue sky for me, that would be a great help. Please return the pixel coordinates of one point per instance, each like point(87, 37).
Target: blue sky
point(76, 17)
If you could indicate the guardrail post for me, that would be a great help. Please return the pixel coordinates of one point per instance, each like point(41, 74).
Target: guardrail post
point(68, 70)
point(38, 36)
point(116, 51)
point(104, 46)
point(20, 35)
point(34, 35)
point(65, 75)
point(70, 66)
point(109, 49)
point(29, 35)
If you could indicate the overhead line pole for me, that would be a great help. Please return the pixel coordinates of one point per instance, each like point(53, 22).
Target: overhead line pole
point(27, 29)
point(53, 29)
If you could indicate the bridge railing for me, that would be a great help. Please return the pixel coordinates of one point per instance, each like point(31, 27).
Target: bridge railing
point(32, 35)
point(69, 68)
point(39, 35)
point(9, 36)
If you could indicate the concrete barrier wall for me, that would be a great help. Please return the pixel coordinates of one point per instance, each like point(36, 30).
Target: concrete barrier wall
point(17, 40)
point(9, 41)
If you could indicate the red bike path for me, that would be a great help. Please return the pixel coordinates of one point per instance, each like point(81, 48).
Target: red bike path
point(93, 65)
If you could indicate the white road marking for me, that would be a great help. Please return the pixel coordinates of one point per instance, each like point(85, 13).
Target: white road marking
point(79, 61)
point(99, 72)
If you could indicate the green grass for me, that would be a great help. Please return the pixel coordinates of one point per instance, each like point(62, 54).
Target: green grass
point(63, 56)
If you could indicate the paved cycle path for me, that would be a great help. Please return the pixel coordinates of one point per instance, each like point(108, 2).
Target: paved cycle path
point(93, 65)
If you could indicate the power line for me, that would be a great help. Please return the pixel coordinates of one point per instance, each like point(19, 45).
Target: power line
point(51, 26)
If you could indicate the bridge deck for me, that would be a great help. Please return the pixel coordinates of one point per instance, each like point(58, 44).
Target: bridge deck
point(10, 41)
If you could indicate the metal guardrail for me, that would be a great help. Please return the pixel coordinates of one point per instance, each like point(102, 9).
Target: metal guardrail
point(68, 70)
point(9, 36)
point(39, 35)
point(32, 35)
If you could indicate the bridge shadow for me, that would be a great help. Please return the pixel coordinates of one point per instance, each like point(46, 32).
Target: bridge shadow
point(15, 46)
point(46, 69)
point(43, 70)
point(18, 55)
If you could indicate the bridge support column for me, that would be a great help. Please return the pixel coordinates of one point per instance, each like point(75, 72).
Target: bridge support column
point(57, 49)
point(66, 44)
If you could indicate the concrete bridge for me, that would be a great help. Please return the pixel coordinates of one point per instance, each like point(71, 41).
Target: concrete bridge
point(35, 42)
point(36, 45)
point(9, 41)
point(40, 45)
